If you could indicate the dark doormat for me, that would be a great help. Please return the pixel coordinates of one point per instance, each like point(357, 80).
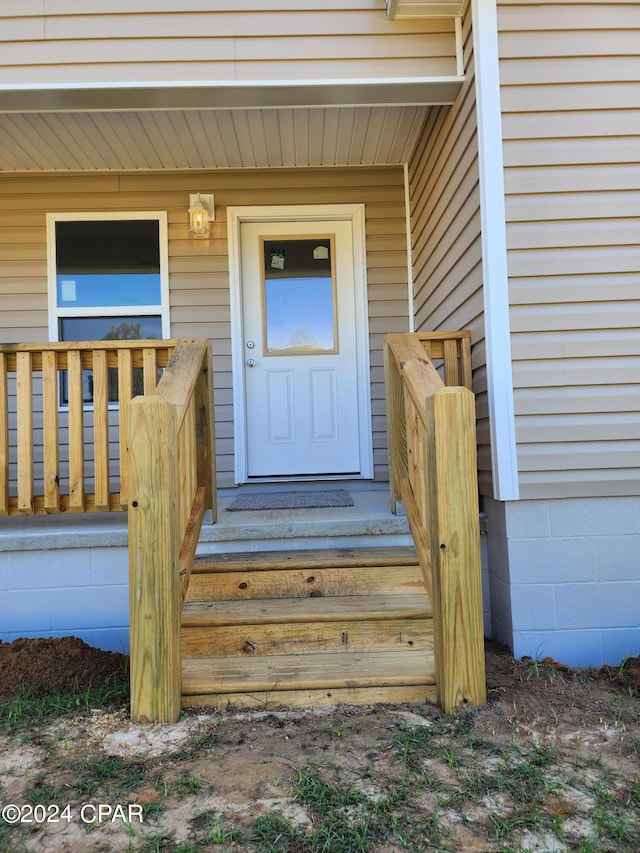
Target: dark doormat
point(290, 500)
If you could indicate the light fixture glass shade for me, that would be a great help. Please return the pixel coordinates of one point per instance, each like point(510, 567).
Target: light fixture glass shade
point(199, 215)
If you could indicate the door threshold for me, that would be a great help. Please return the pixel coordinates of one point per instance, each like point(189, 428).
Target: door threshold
point(303, 478)
point(267, 485)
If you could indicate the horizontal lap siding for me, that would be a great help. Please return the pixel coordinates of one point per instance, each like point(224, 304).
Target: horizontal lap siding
point(198, 269)
point(446, 251)
point(570, 82)
point(139, 40)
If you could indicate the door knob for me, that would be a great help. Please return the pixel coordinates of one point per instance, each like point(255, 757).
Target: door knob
point(251, 362)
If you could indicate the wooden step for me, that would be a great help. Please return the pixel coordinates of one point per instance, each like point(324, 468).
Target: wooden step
point(330, 609)
point(284, 626)
point(303, 559)
point(324, 678)
point(307, 627)
point(318, 582)
point(256, 640)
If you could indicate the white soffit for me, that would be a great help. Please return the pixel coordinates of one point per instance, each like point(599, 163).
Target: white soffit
point(194, 126)
point(208, 139)
point(398, 9)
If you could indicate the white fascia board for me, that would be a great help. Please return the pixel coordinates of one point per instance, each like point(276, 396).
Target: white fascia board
point(94, 97)
point(504, 460)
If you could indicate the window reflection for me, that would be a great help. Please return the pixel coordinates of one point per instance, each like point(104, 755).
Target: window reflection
point(299, 296)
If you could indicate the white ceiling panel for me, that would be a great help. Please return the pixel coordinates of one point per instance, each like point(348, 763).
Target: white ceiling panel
point(208, 139)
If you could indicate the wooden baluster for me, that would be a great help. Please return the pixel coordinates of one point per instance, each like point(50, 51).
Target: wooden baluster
point(193, 455)
point(51, 448)
point(451, 376)
point(150, 370)
point(125, 394)
point(101, 430)
point(4, 436)
point(76, 432)
point(187, 462)
point(24, 407)
point(205, 431)
point(396, 435)
point(466, 378)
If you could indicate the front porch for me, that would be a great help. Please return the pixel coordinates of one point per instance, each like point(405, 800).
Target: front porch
point(368, 576)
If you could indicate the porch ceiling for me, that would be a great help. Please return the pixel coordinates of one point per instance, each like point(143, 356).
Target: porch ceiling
point(208, 139)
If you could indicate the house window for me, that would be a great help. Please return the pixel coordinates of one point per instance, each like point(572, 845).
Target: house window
point(108, 280)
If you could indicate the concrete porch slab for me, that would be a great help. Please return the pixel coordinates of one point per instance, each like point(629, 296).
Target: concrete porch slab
point(369, 522)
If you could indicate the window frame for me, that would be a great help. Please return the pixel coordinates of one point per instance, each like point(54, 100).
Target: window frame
point(56, 312)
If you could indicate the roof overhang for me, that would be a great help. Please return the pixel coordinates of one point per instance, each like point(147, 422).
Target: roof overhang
point(204, 125)
point(230, 95)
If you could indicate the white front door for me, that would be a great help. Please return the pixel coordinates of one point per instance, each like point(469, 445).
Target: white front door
point(300, 339)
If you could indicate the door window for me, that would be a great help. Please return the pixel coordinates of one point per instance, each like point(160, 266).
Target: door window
point(299, 296)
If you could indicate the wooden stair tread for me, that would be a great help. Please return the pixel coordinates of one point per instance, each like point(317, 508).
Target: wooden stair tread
point(315, 609)
point(306, 672)
point(312, 558)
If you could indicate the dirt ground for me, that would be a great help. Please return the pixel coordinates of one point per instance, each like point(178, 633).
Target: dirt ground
point(552, 763)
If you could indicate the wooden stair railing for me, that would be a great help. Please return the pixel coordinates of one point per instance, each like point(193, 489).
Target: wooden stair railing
point(63, 422)
point(172, 477)
point(433, 471)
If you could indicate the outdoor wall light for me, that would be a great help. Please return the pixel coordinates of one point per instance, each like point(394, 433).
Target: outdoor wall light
point(201, 213)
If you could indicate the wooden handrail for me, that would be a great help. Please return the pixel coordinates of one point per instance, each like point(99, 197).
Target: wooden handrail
point(432, 462)
point(47, 427)
point(171, 483)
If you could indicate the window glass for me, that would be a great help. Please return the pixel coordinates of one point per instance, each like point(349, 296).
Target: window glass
point(108, 285)
point(299, 296)
point(109, 328)
point(107, 263)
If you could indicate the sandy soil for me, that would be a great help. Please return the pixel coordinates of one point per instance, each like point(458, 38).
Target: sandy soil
point(551, 763)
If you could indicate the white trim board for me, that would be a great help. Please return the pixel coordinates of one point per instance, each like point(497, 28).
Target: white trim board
point(504, 461)
point(168, 95)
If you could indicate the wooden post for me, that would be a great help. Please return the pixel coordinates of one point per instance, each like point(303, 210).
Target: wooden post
point(455, 548)
point(154, 549)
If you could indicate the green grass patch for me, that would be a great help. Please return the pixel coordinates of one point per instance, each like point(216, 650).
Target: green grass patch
point(29, 708)
point(272, 833)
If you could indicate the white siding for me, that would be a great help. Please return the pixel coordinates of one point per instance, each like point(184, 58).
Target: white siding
point(570, 81)
point(445, 208)
point(60, 41)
